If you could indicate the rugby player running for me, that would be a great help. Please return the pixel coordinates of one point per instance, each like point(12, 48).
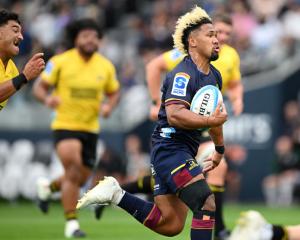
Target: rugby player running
point(179, 180)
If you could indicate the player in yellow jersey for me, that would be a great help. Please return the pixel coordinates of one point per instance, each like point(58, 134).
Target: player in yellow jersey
point(10, 38)
point(75, 84)
point(228, 64)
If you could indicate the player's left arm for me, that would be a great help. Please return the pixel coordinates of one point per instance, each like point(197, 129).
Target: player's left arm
point(235, 89)
point(154, 71)
point(216, 134)
point(112, 100)
point(112, 92)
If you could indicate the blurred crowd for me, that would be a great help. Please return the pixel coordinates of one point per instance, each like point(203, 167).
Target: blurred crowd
point(283, 186)
point(265, 31)
point(22, 162)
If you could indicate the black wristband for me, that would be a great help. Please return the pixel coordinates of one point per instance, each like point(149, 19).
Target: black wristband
point(220, 149)
point(154, 102)
point(19, 80)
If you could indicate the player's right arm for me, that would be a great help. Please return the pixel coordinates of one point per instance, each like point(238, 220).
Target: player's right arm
point(179, 89)
point(163, 63)
point(235, 89)
point(154, 70)
point(41, 91)
point(31, 70)
point(179, 116)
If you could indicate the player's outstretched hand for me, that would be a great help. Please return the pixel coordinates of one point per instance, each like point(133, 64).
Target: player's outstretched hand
point(34, 66)
point(211, 162)
point(218, 117)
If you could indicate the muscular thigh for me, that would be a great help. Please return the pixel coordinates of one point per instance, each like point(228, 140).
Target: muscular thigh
point(172, 208)
point(69, 152)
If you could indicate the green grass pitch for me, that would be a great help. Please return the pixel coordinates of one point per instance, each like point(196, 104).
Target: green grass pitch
point(23, 221)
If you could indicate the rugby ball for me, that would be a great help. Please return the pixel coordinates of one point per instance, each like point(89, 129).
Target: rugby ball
point(205, 150)
point(206, 100)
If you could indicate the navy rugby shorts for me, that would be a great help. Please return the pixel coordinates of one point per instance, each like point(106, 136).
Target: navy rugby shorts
point(172, 166)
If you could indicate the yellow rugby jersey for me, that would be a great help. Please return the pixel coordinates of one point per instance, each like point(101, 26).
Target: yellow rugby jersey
point(80, 86)
point(7, 73)
point(228, 64)
point(172, 58)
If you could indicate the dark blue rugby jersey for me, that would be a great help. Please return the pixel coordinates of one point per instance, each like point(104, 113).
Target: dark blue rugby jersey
point(180, 85)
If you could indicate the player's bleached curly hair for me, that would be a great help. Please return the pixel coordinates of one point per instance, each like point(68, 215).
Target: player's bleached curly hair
point(187, 23)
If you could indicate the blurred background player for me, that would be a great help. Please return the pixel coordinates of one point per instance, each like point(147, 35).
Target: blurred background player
point(10, 38)
point(179, 180)
point(251, 225)
point(74, 84)
point(228, 64)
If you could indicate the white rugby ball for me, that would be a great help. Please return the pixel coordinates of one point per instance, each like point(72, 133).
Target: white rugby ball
point(206, 100)
point(205, 150)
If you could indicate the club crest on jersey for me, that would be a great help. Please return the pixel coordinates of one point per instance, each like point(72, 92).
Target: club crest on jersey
point(180, 83)
point(192, 163)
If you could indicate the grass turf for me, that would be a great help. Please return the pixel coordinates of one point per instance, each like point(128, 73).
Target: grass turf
point(23, 221)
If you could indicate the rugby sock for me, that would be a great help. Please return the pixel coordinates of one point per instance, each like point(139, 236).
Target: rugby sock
point(202, 226)
point(279, 233)
point(54, 187)
point(145, 212)
point(142, 185)
point(218, 191)
point(70, 215)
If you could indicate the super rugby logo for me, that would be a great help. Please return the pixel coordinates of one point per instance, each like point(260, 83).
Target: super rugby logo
point(204, 103)
point(180, 84)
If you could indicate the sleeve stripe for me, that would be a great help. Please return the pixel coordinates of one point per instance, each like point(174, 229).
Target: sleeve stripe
point(177, 100)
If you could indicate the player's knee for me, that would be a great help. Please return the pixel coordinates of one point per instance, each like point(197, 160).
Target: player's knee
point(175, 228)
point(83, 179)
point(198, 196)
point(210, 204)
point(173, 232)
point(73, 174)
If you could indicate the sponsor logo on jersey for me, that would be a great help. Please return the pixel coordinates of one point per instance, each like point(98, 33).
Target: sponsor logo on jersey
point(100, 77)
point(180, 84)
point(84, 93)
point(166, 132)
